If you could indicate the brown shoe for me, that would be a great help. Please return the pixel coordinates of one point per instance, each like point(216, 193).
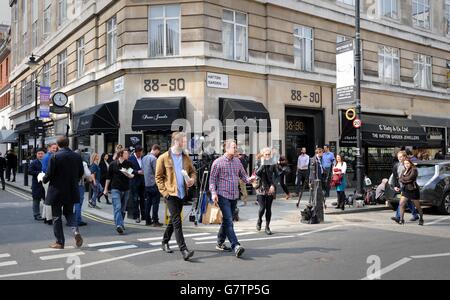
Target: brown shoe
point(56, 246)
point(78, 240)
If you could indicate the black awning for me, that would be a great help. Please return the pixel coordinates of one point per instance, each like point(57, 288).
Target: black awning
point(384, 131)
point(103, 118)
point(158, 114)
point(245, 110)
point(25, 126)
point(9, 136)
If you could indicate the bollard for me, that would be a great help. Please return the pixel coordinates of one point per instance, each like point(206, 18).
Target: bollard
point(25, 173)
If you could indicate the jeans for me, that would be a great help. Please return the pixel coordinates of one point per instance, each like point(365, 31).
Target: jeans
point(152, 200)
point(226, 230)
point(67, 211)
point(326, 181)
point(97, 190)
point(119, 200)
point(37, 206)
point(175, 206)
point(265, 207)
point(79, 206)
point(138, 200)
point(411, 207)
point(283, 183)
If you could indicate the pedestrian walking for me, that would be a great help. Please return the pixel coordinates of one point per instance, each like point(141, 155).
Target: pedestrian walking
point(327, 164)
point(37, 189)
point(65, 169)
point(2, 170)
point(174, 175)
point(394, 181)
point(268, 174)
point(410, 190)
point(97, 189)
point(87, 177)
point(340, 180)
point(120, 173)
point(137, 185)
point(104, 165)
point(224, 186)
point(302, 174)
point(47, 209)
point(11, 165)
point(152, 195)
point(283, 171)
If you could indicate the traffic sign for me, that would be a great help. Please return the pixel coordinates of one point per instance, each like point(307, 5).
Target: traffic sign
point(357, 123)
point(350, 114)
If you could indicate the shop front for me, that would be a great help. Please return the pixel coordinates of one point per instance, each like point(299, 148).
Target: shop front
point(154, 117)
point(437, 135)
point(102, 119)
point(383, 136)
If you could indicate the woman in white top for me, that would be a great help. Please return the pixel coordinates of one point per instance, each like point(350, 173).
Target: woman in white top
point(340, 169)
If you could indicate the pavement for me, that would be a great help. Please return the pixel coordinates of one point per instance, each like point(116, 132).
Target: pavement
point(350, 246)
point(284, 212)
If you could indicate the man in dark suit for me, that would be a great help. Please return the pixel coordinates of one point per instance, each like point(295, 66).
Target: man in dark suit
point(137, 185)
point(64, 172)
point(37, 189)
point(2, 170)
point(11, 165)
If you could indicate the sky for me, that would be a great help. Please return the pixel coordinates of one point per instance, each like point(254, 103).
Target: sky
point(5, 12)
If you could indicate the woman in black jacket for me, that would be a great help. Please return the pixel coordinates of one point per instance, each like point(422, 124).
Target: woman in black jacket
point(283, 170)
point(104, 165)
point(268, 174)
point(410, 190)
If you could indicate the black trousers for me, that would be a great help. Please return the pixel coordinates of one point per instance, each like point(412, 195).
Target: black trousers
point(302, 180)
point(283, 183)
point(8, 173)
point(265, 207)
point(58, 211)
point(341, 200)
point(138, 200)
point(175, 206)
point(2, 178)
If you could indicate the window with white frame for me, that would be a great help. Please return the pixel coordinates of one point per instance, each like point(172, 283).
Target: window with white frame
point(421, 13)
point(46, 75)
point(304, 48)
point(447, 16)
point(422, 72)
point(47, 23)
point(111, 41)
point(62, 12)
point(164, 30)
point(389, 65)
point(62, 69)
point(80, 57)
point(34, 26)
point(235, 35)
point(348, 2)
point(389, 9)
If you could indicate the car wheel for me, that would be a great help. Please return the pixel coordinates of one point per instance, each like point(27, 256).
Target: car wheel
point(393, 205)
point(445, 205)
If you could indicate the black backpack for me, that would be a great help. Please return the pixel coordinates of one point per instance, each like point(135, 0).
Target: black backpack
point(308, 216)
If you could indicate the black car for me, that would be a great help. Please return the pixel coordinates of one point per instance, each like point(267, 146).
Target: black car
point(434, 182)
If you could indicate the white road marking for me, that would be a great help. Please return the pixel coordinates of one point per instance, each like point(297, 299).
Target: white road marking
point(31, 273)
point(215, 236)
point(196, 234)
point(160, 237)
point(318, 230)
point(389, 268)
point(50, 257)
point(119, 258)
point(255, 239)
point(430, 256)
point(18, 194)
point(437, 221)
point(5, 255)
point(8, 263)
point(159, 243)
point(105, 244)
point(46, 250)
point(118, 248)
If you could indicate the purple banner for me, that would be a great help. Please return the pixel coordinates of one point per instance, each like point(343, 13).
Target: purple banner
point(44, 111)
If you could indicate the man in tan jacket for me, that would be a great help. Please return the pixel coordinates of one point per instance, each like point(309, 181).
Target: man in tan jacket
point(172, 171)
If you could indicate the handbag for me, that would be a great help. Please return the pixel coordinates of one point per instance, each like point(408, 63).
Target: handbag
point(336, 180)
point(213, 215)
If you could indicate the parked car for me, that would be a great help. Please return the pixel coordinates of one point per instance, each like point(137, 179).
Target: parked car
point(434, 183)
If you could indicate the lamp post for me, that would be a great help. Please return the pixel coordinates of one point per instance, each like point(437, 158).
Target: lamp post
point(359, 154)
point(33, 64)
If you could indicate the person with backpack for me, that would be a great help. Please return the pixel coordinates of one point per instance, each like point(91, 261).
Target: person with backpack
point(339, 180)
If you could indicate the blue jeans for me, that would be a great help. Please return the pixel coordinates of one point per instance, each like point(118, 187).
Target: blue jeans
point(226, 230)
point(119, 201)
point(411, 207)
point(152, 199)
point(78, 206)
point(96, 192)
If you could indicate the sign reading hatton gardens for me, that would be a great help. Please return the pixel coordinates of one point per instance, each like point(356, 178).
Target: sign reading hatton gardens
point(345, 72)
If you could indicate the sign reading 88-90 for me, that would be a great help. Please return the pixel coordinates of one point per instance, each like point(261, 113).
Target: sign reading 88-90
point(155, 85)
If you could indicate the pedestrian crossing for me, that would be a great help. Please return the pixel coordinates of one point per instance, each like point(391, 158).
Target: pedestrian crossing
point(6, 263)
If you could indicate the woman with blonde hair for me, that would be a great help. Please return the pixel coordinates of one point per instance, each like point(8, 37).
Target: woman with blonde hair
point(95, 180)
